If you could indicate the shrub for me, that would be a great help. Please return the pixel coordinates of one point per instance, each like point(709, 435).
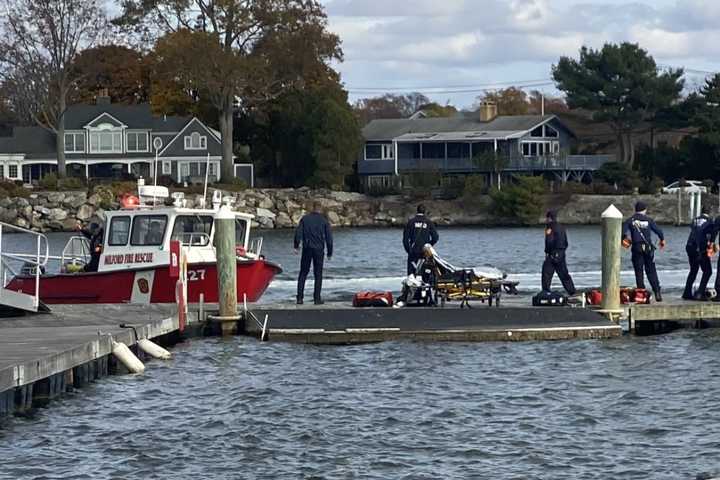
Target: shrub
point(522, 200)
point(49, 182)
point(53, 183)
point(10, 189)
point(234, 185)
point(652, 186)
point(475, 186)
point(423, 182)
point(620, 174)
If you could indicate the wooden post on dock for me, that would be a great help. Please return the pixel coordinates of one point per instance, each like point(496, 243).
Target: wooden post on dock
point(227, 270)
point(679, 207)
point(611, 233)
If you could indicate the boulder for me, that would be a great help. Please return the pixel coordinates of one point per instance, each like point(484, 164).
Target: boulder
point(334, 219)
point(5, 202)
point(85, 212)
point(56, 197)
point(75, 200)
point(57, 214)
point(68, 225)
point(264, 213)
point(266, 222)
point(42, 210)
point(266, 203)
point(283, 220)
point(94, 200)
point(297, 216)
point(26, 212)
point(8, 215)
point(22, 223)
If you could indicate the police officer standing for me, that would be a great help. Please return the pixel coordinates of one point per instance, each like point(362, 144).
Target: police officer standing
point(700, 238)
point(313, 232)
point(555, 245)
point(418, 231)
point(637, 232)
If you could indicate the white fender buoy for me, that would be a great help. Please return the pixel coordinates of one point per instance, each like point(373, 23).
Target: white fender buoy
point(153, 349)
point(127, 358)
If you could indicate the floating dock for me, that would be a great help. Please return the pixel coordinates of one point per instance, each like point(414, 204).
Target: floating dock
point(672, 315)
point(337, 323)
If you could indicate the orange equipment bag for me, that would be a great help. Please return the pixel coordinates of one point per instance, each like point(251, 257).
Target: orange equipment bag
point(373, 299)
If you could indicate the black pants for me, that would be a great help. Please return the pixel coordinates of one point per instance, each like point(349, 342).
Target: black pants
point(94, 263)
point(644, 263)
point(411, 261)
point(316, 256)
point(555, 263)
point(698, 261)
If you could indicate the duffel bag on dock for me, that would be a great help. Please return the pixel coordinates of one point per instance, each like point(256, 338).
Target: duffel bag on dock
point(549, 299)
point(373, 299)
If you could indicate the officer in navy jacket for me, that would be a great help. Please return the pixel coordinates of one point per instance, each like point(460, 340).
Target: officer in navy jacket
point(418, 231)
point(313, 233)
point(702, 231)
point(555, 245)
point(638, 230)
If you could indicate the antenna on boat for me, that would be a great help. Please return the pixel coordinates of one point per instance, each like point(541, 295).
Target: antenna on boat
point(207, 174)
point(155, 174)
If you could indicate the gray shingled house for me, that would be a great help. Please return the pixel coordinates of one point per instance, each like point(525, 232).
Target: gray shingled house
point(105, 140)
point(528, 144)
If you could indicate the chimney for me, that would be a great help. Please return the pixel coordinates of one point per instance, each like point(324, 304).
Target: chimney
point(488, 111)
point(103, 97)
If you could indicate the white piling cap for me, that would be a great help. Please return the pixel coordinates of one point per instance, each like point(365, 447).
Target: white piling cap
point(612, 212)
point(225, 213)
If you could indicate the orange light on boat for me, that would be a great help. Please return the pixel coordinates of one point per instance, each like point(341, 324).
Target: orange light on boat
point(129, 202)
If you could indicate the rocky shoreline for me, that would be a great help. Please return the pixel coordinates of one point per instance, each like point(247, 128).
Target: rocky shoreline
point(283, 208)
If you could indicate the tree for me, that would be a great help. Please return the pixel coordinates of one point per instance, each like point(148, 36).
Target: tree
point(553, 105)
point(39, 44)
point(494, 163)
point(210, 47)
point(120, 70)
point(389, 106)
point(434, 109)
point(509, 101)
point(621, 84)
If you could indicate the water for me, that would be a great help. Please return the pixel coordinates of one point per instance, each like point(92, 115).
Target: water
point(629, 408)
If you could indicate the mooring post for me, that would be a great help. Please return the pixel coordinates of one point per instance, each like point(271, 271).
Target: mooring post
point(679, 206)
point(227, 269)
point(611, 233)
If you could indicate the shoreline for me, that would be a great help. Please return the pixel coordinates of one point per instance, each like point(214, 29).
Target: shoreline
point(283, 209)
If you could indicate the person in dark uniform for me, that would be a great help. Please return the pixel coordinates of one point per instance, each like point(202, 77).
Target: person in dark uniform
point(555, 245)
point(702, 231)
point(313, 232)
point(418, 231)
point(637, 233)
point(94, 233)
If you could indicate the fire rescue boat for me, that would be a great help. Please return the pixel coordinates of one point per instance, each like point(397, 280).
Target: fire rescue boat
point(143, 252)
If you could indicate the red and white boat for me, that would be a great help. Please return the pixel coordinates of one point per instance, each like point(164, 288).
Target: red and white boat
point(140, 258)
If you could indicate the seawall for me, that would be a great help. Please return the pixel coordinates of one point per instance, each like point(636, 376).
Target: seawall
point(283, 208)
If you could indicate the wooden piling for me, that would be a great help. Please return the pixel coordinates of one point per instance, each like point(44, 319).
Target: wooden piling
point(611, 241)
point(227, 269)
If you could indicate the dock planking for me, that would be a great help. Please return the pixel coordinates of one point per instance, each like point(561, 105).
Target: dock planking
point(672, 315)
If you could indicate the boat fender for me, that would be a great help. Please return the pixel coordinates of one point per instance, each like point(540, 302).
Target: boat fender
point(153, 349)
point(127, 358)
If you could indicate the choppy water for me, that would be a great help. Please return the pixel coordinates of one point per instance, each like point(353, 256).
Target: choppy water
point(630, 408)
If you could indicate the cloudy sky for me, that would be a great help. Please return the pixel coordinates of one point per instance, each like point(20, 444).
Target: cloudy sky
point(452, 49)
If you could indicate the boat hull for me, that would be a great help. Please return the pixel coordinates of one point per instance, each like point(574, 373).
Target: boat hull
point(146, 285)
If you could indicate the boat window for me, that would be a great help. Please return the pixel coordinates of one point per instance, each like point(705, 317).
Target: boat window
point(119, 231)
point(193, 229)
point(240, 227)
point(148, 230)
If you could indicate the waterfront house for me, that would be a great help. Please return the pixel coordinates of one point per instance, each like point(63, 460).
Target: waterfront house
point(472, 143)
point(107, 140)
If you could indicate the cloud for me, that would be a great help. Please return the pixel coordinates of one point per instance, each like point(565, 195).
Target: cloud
point(393, 43)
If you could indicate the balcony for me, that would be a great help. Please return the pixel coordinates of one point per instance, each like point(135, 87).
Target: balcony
point(586, 163)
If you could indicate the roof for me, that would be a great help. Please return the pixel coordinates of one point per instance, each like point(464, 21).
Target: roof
point(32, 141)
point(500, 127)
point(134, 116)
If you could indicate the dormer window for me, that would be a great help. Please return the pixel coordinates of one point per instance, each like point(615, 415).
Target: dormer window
point(195, 141)
point(106, 138)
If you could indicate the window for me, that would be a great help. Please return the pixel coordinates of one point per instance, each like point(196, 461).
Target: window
point(458, 150)
point(184, 170)
point(384, 151)
point(105, 142)
point(213, 170)
point(240, 228)
point(119, 231)
point(195, 141)
point(12, 171)
point(408, 150)
point(2, 171)
point(166, 167)
point(148, 230)
point(137, 142)
point(551, 132)
point(194, 169)
point(74, 142)
point(193, 229)
point(538, 132)
point(433, 150)
point(373, 152)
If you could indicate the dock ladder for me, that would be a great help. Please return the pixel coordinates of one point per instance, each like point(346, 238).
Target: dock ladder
point(32, 263)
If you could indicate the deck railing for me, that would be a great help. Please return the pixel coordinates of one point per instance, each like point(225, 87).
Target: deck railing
point(33, 263)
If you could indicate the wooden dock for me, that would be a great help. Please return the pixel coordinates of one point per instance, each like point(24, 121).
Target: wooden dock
point(671, 315)
point(42, 355)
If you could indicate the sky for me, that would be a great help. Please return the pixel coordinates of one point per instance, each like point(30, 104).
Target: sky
point(453, 50)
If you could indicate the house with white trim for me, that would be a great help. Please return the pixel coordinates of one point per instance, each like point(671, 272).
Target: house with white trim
point(526, 144)
point(107, 140)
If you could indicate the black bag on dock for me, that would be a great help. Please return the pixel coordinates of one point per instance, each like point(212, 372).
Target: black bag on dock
point(549, 299)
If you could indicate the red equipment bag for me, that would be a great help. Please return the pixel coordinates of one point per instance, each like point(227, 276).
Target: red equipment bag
point(593, 297)
point(641, 296)
point(627, 295)
point(373, 299)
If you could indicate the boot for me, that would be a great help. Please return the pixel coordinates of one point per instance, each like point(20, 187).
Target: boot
point(658, 296)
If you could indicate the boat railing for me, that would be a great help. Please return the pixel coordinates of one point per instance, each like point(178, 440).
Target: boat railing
point(33, 264)
point(75, 252)
point(194, 239)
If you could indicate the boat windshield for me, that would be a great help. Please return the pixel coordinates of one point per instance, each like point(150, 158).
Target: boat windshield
point(240, 228)
point(193, 230)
